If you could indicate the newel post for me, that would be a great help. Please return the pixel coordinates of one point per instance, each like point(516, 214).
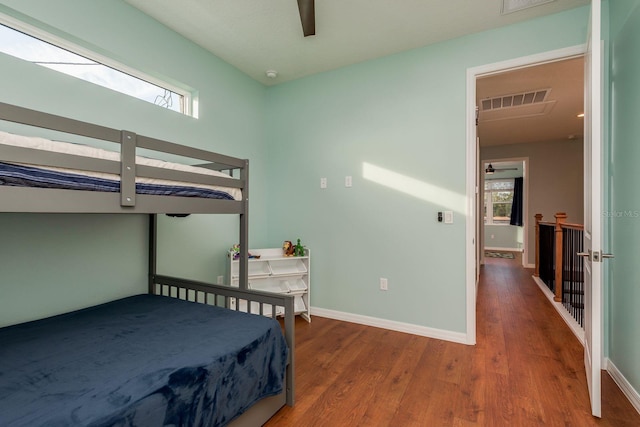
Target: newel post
point(561, 218)
point(538, 219)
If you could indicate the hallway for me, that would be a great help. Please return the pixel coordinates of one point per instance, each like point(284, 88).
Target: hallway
point(530, 348)
point(525, 370)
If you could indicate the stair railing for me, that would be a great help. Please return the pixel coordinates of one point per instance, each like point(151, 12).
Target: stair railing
point(557, 262)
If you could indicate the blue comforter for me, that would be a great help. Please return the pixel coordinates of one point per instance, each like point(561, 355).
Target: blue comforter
point(140, 361)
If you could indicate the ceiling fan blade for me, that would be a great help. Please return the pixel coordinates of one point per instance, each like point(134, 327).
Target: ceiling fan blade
point(307, 16)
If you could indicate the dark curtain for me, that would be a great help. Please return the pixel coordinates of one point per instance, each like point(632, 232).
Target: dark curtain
point(516, 207)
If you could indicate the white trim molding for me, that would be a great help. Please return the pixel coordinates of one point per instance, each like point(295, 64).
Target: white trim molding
point(626, 387)
point(424, 331)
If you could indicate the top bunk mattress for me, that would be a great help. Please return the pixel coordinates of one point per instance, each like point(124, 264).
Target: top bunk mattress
point(146, 360)
point(26, 175)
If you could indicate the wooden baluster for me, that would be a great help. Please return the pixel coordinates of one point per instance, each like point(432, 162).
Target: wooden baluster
point(561, 218)
point(538, 219)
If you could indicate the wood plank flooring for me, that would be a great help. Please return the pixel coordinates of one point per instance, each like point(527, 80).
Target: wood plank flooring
point(526, 369)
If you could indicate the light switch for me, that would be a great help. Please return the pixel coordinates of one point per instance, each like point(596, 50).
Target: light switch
point(448, 217)
point(348, 181)
point(323, 182)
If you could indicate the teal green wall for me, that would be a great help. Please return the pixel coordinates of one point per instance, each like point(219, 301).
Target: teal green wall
point(104, 257)
point(53, 263)
point(624, 211)
point(404, 114)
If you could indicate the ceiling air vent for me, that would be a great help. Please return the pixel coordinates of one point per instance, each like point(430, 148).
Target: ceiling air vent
point(515, 100)
point(518, 105)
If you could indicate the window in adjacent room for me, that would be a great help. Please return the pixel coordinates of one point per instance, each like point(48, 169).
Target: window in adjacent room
point(498, 198)
point(99, 70)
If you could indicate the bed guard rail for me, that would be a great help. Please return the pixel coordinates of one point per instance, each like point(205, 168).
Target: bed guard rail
point(206, 293)
point(129, 142)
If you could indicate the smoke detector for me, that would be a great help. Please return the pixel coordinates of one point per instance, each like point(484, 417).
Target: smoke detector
point(272, 74)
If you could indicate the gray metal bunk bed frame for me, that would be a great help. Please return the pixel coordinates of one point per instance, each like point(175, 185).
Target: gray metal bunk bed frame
point(49, 200)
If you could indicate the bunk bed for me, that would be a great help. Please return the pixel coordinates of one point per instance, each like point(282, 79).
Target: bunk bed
point(177, 355)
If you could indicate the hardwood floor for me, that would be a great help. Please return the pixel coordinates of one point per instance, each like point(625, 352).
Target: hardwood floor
point(526, 369)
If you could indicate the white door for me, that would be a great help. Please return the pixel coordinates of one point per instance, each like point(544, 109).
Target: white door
point(479, 214)
point(593, 210)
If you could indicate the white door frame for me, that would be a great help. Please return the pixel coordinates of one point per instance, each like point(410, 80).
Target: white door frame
point(472, 166)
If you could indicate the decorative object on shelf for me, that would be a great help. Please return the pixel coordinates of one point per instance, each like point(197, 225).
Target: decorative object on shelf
point(287, 248)
point(299, 249)
point(235, 251)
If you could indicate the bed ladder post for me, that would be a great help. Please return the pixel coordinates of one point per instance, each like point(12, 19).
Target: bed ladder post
point(153, 251)
point(244, 229)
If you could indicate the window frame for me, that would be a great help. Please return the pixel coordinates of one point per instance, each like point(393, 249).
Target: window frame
point(488, 202)
point(188, 98)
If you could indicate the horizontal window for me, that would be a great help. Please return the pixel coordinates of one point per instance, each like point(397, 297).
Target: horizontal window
point(103, 72)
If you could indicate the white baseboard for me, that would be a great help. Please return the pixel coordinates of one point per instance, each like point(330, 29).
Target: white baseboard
point(495, 248)
point(457, 337)
point(627, 389)
point(568, 319)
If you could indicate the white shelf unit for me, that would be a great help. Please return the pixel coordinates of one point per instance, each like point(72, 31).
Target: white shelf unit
point(274, 272)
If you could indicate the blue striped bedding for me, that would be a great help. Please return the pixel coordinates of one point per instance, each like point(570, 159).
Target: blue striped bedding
point(31, 176)
point(140, 361)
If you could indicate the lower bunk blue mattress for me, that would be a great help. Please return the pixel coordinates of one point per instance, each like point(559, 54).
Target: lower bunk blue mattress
point(145, 360)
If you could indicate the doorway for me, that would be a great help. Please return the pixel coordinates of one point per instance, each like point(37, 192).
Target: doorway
point(487, 119)
point(504, 198)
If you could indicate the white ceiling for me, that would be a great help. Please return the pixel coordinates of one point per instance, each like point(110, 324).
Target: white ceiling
point(260, 35)
point(557, 122)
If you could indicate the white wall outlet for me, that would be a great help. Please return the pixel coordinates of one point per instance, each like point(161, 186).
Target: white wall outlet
point(220, 280)
point(348, 181)
point(384, 284)
point(448, 217)
point(323, 182)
